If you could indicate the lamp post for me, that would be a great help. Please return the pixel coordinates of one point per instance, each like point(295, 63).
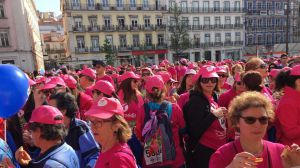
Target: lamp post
point(287, 7)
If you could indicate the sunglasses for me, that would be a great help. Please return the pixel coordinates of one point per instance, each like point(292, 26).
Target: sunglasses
point(222, 75)
point(146, 74)
point(206, 80)
point(251, 120)
point(262, 66)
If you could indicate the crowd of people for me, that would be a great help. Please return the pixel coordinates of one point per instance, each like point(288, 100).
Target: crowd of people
point(228, 114)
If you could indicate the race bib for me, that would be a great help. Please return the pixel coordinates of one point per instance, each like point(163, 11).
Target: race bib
point(153, 150)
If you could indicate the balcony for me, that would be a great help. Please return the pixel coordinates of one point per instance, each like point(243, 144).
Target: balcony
point(197, 45)
point(149, 46)
point(95, 49)
point(122, 28)
point(55, 51)
point(238, 26)
point(124, 48)
point(209, 10)
point(161, 46)
point(160, 27)
point(238, 43)
point(81, 50)
point(112, 7)
point(218, 26)
point(218, 44)
point(78, 28)
point(208, 27)
point(94, 28)
point(148, 27)
point(228, 43)
point(228, 26)
point(197, 27)
point(207, 45)
point(134, 27)
point(108, 28)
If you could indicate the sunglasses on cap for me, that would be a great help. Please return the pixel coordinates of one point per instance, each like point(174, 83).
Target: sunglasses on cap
point(222, 75)
point(146, 74)
point(206, 80)
point(251, 120)
point(262, 66)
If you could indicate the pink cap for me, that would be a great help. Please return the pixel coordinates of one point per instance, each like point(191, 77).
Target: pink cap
point(52, 82)
point(162, 64)
point(30, 81)
point(208, 72)
point(274, 72)
point(221, 69)
point(190, 72)
point(147, 69)
point(128, 75)
point(183, 61)
point(154, 67)
point(105, 108)
point(115, 76)
point(166, 76)
point(104, 87)
point(192, 65)
point(295, 71)
point(46, 114)
point(40, 79)
point(88, 72)
point(70, 81)
point(154, 81)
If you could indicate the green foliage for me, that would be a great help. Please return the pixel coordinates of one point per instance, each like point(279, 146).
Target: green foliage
point(110, 56)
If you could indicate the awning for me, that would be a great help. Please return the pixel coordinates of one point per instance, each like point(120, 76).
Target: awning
point(148, 52)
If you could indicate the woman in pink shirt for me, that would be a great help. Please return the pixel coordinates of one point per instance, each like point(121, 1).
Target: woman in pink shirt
point(111, 130)
point(250, 114)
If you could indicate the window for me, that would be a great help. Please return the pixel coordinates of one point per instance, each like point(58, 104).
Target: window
point(269, 5)
point(277, 38)
point(132, 3)
point(121, 21)
point(145, 4)
point(147, 22)
point(237, 20)
point(1, 10)
point(269, 22)
point(238, 36)
point(185, 21)
point(206, 20)
point(207, 38)
point(78, 22)
point(123, 41)
point(237, 5)
point(159, 21)
point(80, 42)
point(4, 39)
point(206, 6)
point(107, 22)
point(134, 22)
point(250, 40)
point(90, 3)
point(184, 6)
point(259, 5)
point(227, 20)
point(259, 39)
point(226, 5)
point(216, 5)
point(259, 22)
point(277, 5)
point(196, 21)
point(227, 37)
point(93, 21)
point(269, 38)
point(105, 3)
point(277, 22)
point(110, 39)
point(75, 3)
point(148, 39)
point(250, 5)
point(119, 3)
point(160, 39)
point(218, 20)
point(195, 6)
point(136, 40)
point(218, 37)
point(95, 41)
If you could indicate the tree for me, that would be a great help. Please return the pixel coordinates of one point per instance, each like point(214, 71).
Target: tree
point(178, 28)
point(110, 56)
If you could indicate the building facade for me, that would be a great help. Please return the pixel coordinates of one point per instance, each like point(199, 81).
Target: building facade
point(215, 28)
point(266, 25)
point(134, 29)
point(20, 41)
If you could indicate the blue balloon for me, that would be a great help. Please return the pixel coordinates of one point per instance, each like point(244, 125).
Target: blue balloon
point(14, 87)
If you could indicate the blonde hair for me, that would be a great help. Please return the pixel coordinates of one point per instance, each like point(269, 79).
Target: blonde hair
point(123, 132)
point(248, 100)
point(253, 64)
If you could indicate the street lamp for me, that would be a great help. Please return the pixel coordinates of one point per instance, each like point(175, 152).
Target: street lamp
point(287, 8)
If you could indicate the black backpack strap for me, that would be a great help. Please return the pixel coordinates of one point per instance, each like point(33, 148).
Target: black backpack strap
point(147, 113)
point(164, 107)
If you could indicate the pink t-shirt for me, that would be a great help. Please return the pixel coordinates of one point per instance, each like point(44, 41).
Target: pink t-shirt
point(215, 135)
point(119, 156)
point(226, 98)
point(183, 99)
point(107, 78)
point(225, 154)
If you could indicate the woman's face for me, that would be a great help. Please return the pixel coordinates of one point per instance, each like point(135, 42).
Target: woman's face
point(238, 69)
point(222, 78)
point(262, 68)
point(271, 83)
point(208, 84)
point(97, 95)
point(253, 130)
point(102, 130)
point(239, 87)
point(189, 80)
point(134, 84)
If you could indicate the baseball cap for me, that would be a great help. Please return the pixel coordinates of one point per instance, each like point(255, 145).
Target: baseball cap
point(52, 82)
point(183, 61)
point(190, 72)
point(154, 81)
point(166, 76)
point(70, 81)
point(221, 69)
point(88, 72)
point(128, 75)
point(208, 72)
point(105, 108)
point(46, 114)
point(104, 87)
point(99, 62)
point(274, 72)
point(40, 79)
point(295, 71)
point(30, 81)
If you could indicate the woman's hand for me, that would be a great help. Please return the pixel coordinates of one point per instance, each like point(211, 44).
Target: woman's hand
point(291, 156)
point(243, 159)
point(22, 157)
point(28, 138)
point(220, 112)
point(7, 163)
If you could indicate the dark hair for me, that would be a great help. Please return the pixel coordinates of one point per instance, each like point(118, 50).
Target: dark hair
point(99, 62)
point(285, 79)
point(50, 131)
point(66, 101)
point(113, 94)
point(157, 95)
point(129, 93)
point(253, 81)
point(272, 64)
point(197, 86)
point(182, 87)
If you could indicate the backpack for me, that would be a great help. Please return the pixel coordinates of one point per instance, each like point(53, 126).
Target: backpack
point(159, 147)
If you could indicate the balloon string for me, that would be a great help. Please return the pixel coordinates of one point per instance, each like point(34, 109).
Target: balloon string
point(5, 130)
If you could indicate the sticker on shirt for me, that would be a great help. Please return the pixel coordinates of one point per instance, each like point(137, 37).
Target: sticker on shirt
point(222, 120)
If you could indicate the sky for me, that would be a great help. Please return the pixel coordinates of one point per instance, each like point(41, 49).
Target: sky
point(48, 6)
